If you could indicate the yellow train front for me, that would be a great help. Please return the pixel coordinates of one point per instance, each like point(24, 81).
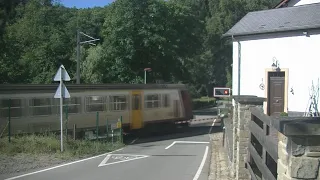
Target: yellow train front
point(33, 108)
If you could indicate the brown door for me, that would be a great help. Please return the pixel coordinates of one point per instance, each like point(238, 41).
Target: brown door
point(276, 93)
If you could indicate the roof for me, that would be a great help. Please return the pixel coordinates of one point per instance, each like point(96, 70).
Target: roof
point(28, 88)
point(278, 20)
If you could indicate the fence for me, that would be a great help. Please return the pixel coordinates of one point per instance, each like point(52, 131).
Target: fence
point(265, 147)
point(111, 130)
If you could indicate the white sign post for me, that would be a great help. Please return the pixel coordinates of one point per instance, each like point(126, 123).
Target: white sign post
point(62, 92)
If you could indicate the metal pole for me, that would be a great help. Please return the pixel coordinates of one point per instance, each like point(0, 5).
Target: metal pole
point(9, 123)
point(145, 77)
point(74, 131)
point(121, 138)
point(61, 110)
point(97, 125)
point(107, 126)
point(239, 66)
point(66, 121)
point(78, 56)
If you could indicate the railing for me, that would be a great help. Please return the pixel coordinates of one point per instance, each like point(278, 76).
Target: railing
point(262, 147)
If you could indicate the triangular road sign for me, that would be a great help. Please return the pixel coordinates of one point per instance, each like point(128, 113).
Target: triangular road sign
point(65, 92)
point(65, 75)
point(119, 158)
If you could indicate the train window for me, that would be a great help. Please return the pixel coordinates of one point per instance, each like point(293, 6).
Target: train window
point(40, 106)
point(118, 103)
point(152, 101)
point(73, 104)
point(95, 103)
point(165, 100)
point(16, 108)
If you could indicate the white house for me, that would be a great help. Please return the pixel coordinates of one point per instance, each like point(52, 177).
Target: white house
point(290, 3)
point(287, 37)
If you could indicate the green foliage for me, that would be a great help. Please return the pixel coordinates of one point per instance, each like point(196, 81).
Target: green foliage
point(283, 114)
point(203, 102)
point(49, 144)
point(179, 39)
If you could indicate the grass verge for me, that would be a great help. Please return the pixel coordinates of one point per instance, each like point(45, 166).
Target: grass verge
point(49, 145)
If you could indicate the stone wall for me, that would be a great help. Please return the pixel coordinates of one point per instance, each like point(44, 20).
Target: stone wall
point(298, 157)
point(298, 139)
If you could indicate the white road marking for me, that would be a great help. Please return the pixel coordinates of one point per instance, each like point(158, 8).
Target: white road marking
point(23, 175)
point(170, 145)
point(187, 142)
point(134, 140)
point(120, 156)
point(202, 164)
point(214, 121)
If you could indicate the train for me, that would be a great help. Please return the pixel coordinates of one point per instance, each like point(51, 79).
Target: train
point(33, 107)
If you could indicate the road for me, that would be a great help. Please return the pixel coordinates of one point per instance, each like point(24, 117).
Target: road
point(184, 155)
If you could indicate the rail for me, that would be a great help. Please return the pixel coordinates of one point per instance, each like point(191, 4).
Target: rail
point(262, 147)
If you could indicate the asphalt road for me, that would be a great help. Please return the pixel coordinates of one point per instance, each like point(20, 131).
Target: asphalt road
point(184, 155)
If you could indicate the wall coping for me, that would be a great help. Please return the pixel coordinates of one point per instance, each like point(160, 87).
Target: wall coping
point(297, 126)
point(249, 99)
point(290, 126)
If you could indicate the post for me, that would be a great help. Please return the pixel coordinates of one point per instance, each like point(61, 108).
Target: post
point(107, 126)
point(67, 121)
point(61, 110)
point(9, 121)
point(112, 135)
point(97, 125)
point(74, 131)
point(145, 77)
point(121, 138)
point(78, 56)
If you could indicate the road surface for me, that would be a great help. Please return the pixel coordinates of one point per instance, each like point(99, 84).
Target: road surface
point(181, 156)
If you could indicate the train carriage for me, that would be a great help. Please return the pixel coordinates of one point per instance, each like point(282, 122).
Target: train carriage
point(34, 109)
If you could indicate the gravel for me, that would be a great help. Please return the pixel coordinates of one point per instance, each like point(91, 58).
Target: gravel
point(25, 162)
point(219, 169)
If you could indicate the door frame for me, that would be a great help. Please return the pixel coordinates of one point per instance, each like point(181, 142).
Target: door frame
point(266, 90)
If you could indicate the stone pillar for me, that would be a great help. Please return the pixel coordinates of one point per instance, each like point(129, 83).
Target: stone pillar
point(299, 157)
point(234, 138)
point(241, 133)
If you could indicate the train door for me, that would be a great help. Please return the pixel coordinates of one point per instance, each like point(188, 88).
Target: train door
point(137, 119)
point(176, 108)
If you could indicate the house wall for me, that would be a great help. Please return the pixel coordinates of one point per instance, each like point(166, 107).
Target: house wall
point(302, 2)
point(300, 54)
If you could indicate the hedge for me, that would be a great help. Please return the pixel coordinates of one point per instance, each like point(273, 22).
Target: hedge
point(202, 104)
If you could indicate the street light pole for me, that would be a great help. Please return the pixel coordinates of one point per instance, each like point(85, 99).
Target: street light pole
point(78, 51)
point(145, 74)
point(145, 77)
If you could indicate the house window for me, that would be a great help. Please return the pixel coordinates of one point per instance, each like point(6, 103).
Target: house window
point(16, 108)
point(95, 103)
point(152, 101)
point(40, 106)
point(118, 103)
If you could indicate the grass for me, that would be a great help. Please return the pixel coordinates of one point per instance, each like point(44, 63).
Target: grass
point(50, 145)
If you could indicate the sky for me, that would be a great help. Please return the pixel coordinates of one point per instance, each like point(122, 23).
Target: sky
point(85, 3)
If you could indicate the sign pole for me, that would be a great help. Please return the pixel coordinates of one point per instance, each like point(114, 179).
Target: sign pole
point(62, 92)
point(61, 111)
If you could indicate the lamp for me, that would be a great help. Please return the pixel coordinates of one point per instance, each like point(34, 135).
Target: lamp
point(275, 65)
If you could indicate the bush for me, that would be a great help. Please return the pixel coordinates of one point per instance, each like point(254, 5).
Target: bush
point(49, 144)
point(203, 103)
